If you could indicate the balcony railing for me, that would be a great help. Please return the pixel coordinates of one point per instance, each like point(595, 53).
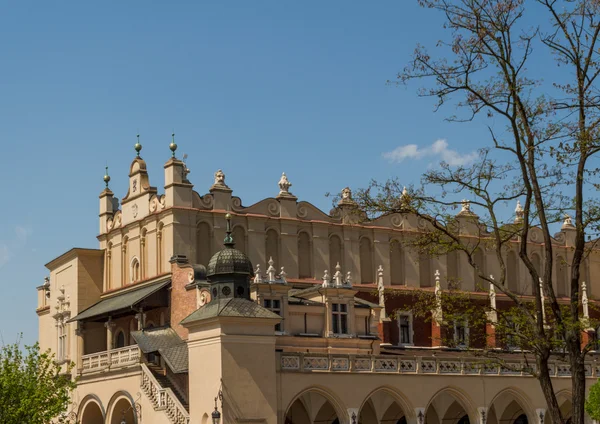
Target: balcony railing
point(110, 359)
point(307, 362)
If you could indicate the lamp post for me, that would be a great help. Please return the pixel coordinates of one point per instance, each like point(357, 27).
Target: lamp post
point(216, 415)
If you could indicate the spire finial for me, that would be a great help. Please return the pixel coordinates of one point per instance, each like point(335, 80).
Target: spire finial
point(228, 242)
point(138, 146)
point(106, 177)
point(173, 145)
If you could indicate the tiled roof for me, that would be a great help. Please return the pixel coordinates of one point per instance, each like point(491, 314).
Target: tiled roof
point(154, 339)
point(231, 307)
point(176, 357)
point(120, 302)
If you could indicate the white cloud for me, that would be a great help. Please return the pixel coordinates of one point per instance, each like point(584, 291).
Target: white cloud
point(23, 233)
point(438, 149)
point(9, 247)
point(4, 255)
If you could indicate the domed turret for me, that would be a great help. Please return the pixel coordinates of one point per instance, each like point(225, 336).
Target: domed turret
point(229, 271)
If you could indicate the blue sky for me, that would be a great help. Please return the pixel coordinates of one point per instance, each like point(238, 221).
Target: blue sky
point(254, 88)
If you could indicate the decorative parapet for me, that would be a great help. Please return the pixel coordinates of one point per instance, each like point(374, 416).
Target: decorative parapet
point(386, 364)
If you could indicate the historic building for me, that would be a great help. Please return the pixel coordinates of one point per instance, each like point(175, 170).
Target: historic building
point(196, 305)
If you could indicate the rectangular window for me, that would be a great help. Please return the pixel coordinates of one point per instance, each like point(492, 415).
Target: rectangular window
point(273, 305)
point(461, 333)
point(405, 325)
point(339, 318)
point(62, 342)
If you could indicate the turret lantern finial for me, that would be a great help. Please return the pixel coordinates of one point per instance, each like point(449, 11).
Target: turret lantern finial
point(106, 177)
point(138, 146)
point(228, 242)
point(173, 145)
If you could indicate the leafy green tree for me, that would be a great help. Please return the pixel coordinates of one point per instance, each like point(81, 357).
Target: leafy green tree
point(592, 404)
point(544, 138)
point(34, 389)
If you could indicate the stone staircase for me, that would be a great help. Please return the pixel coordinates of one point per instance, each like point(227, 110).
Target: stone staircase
point(164, 381)
point(163, 395)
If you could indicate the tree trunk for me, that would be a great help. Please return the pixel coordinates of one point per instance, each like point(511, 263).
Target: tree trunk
point(548, 390)
point(577, 360)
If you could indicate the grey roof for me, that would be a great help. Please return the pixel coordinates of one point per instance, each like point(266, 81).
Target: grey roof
point(229, 261)
point(176, 357)
point(120, 302)
point(230, 307)
point(154, 339)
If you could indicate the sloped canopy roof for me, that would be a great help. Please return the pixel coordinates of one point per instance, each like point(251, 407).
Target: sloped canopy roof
point(176, 357)
point(230, 307)
point(120, 303)
point(153, 339)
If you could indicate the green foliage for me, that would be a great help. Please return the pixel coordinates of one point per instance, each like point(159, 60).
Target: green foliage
point(592, 404)
point(34, 389)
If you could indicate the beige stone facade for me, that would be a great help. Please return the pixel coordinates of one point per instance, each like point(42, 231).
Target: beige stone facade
point(302, 338)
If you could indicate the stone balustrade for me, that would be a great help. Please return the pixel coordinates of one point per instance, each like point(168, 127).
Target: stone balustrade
point(110, 359)
point(163, 399)
point(388, 364)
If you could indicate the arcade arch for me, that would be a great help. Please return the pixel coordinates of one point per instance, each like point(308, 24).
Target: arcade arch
point(121, 408)
point(314, 406)
point(450, 406)
point(91, 411)
point(510, 406)
point(384, 406)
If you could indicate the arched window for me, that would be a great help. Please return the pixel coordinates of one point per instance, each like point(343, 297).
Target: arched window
point(203, 243)
point(512, 272)
point(479, 260)
point(426, 278)
point(272, 247)
point(135, 270)
point(239, 237)
point(335, 253)
point(304, 256)
point(453, 276)
point(561, 276)
point(367, 273)
point(120, 339)
point(397, 263)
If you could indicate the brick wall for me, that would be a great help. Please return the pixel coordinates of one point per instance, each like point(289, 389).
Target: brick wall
point(183, 302)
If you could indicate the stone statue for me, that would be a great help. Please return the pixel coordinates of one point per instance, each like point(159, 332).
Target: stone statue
point(568, 221)
point(257, 274)
point(519, 213)
point(284, 185)
point(326, 279)
point(466, 206)
point(219, 178)
point(283, 276)
point(347, 194)
point(338, 276)
point(271, 270)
